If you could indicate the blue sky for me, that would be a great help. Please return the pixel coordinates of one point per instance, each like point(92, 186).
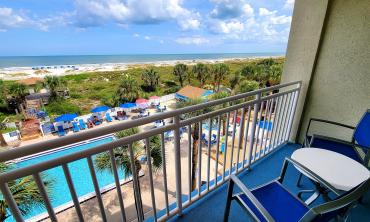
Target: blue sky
point(78, 27)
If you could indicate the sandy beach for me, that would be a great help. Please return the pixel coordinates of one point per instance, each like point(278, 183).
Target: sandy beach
point(17, 73)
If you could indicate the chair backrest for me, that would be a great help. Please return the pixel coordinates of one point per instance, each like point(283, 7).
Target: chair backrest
point(362, 131)
point(329, 210)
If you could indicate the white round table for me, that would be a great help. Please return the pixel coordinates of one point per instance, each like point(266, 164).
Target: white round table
point(342, 172)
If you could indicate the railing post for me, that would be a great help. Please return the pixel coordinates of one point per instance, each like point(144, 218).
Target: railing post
point(253, 129)
point(295, 101)
point(178, 164)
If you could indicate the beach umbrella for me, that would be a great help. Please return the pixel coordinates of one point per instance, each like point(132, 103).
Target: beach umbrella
point(141, 100)
point(154, 97)
point(142, 103)
point(65, 117)
point(100, 109)
point(128, 105)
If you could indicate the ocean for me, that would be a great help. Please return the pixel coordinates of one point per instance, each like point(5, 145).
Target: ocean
point(33, 61)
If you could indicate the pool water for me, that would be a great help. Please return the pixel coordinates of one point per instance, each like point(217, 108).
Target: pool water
point(80, 174)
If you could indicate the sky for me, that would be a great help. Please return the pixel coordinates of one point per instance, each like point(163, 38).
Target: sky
point(88, 27)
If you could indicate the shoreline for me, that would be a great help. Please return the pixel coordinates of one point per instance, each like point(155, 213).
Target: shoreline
point(18, 73)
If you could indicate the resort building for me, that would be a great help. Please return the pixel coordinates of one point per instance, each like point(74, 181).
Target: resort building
point(192, 92)
point(297, 151)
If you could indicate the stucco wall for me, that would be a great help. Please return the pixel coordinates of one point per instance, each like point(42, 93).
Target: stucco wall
point(340, 82)
point(303, 42)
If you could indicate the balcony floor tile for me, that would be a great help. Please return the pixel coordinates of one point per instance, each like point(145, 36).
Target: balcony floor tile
point(211, 207)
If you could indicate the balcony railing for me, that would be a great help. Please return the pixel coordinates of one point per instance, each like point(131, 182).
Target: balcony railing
point(253, 124)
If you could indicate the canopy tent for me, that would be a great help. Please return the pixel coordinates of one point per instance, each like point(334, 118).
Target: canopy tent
point(154, 97)
point(142, 103)
point(99, 109)
point(128, 105)
point(65, 117)
point(154, 100)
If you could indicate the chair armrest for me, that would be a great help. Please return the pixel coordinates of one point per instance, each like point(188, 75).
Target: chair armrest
point(307, 171)
point(339, 141)
point(252, 198)
point(328, 122)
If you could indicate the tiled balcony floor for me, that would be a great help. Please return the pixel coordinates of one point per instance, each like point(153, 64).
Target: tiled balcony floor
point(211, 207)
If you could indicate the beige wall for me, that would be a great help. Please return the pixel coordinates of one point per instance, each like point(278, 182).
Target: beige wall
point(303, 42)
point(339, 86)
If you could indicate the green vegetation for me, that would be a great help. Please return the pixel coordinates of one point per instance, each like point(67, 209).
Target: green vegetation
point(111, 88)
point(7, 130)
point(122, 156)
point(25, 192)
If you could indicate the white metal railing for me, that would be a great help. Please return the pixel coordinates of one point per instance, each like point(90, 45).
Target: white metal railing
point(265, 121)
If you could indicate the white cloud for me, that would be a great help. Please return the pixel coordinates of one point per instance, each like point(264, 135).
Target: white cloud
point(192, 40)
point(98, 12)
point(266, 12)
point(12, 19)
point(280, 20)
point(147, 37)
point(227, 9)
point(289, 4)
point(136, 35)
point(233, 26)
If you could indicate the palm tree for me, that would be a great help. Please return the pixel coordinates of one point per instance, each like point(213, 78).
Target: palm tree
point(235, 79)
point(123, 160)
point(53, 83)
point(248, 71)
point(219, 73)
point(247, 86)
point(25, 193)
point(201, 72)
point(2, 93)
point(19, 91)
point(180, 71)
point(194, 134)
point(150, 78)
point(127, 91)
point(221, 95)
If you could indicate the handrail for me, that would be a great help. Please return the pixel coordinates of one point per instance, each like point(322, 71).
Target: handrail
point(92, 133)
point(282, 113)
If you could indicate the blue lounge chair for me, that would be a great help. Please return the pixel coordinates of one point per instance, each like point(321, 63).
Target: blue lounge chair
point(61, 131)
point(273, 202)
point(75, 127)
point(108, 118)
point(360, 139)
point(82, 124)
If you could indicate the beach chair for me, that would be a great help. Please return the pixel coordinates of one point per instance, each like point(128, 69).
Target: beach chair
point(273, 202)
point(120, 115)
point(90, 124)
point(360, 141)
point(61, 131)
point(82, 124)
point(108, 118)
point(75, 127)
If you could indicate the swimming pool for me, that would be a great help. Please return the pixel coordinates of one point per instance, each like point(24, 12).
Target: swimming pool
point(79, 172)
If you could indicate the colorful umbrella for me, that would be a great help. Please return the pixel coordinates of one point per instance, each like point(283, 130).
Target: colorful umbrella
point(154, 97)
point(141, 100)
point(65, 117)
point(128, 105)
point(99, 109)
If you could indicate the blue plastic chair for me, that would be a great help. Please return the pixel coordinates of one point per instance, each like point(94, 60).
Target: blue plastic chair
point(273, 202)
point(360, 139)
point(61, 131)
point(82, 124)
point(75, 127)
point(108, 118)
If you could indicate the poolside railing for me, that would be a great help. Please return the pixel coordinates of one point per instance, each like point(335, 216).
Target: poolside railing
point(248, 126)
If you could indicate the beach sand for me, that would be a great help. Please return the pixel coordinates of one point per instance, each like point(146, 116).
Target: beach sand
point(17, 73)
